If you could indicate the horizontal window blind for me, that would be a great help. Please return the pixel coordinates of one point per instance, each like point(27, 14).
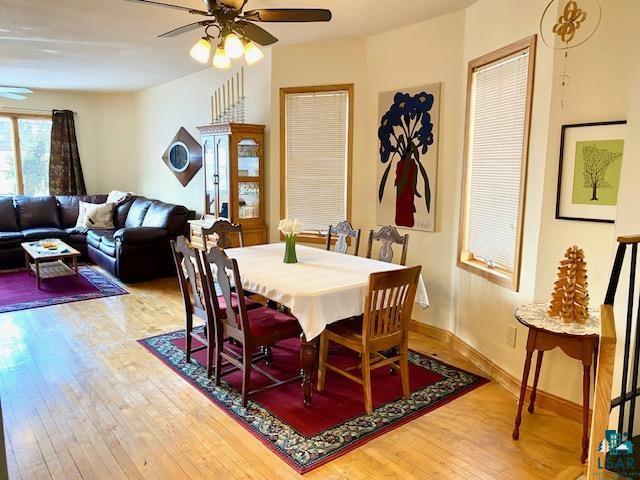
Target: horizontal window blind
point(495, 159)
point(316, 143)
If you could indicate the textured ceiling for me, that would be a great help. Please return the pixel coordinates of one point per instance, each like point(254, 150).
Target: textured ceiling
point(112, 45)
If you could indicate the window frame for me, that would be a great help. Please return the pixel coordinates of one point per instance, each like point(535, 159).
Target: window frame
point(465, 258)
point(310, 237)
point(15, 117)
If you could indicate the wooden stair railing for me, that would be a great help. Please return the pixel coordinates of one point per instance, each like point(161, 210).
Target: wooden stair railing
point(629, 391)
point(602, 393)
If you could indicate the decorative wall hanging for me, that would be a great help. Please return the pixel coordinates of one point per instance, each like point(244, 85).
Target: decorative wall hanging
point(183, 156)
point(567, 24)
point(570, 297)
point(589, 171)
point(408, 163)
point(228, 101)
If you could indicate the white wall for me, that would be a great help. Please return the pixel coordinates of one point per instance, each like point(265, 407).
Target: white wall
point(325, 63)
point(160, 112)
point(391, 66)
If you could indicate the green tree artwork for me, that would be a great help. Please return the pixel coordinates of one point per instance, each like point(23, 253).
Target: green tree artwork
point(596, 176)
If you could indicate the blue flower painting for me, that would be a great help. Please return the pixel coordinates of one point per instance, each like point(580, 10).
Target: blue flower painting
point(407, 133)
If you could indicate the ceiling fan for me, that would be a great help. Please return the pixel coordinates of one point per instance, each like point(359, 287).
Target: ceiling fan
point(237, 32)
point(15, 93)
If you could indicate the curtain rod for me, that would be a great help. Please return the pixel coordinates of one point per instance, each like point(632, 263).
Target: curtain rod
point(2, 108)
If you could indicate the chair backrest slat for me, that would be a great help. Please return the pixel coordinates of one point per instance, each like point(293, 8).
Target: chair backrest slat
point(223, 271)
point(389, 302)
point(343, 230)
point(388, 236)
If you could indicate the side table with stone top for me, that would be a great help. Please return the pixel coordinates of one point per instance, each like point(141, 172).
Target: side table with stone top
point(579, 341)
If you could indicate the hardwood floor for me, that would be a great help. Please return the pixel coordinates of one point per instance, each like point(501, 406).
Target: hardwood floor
point(82, 400)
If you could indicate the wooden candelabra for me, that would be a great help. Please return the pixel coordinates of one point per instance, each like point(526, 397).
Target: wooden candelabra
point(570, 297)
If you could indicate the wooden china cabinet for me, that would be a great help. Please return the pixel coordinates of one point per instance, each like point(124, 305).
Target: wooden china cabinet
point(234, 169)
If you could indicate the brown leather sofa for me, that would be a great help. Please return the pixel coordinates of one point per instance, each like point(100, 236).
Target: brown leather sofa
point(136, 249)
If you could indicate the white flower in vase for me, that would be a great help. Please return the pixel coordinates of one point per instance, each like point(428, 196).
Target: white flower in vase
point(291, 228)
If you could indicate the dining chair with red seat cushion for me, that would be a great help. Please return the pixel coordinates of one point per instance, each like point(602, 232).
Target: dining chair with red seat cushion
point(383, 336)
point(250, 329)
point(189, 279)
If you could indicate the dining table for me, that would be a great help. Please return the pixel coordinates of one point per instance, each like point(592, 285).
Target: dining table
point(323, 287)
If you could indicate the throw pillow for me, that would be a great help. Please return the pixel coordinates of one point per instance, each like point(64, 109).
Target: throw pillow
point(95, 215)
point(117, 197)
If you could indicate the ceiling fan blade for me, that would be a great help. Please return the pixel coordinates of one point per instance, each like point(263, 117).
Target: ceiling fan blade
point(12, 96)
point(15, 90)
point(168, 5)
point(288, 15)
point(186, 28)
point(255, 33)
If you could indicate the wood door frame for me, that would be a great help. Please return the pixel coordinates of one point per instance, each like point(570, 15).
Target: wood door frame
point(465, 260)
point(284, 91)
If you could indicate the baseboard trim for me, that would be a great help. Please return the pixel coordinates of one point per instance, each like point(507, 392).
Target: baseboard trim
point(547, 401)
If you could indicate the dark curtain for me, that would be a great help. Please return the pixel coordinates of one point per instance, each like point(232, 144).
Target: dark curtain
point(65, 170)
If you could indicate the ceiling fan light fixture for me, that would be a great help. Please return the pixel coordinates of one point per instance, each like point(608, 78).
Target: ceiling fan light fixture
point(252, 54)
point(220, 59)
point(201, 51)
point(233, 46)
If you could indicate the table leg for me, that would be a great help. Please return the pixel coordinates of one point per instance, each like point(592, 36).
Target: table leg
point(309, 361)
point(586, 381)
point(75, 265)
point(536, 377)
point(531, 341)
point(26, 261)
point(37, 273)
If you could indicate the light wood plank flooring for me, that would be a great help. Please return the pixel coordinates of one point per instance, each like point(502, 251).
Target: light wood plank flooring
point(82, 400)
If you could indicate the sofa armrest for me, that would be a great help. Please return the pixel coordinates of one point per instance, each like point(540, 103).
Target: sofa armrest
point(140, 234)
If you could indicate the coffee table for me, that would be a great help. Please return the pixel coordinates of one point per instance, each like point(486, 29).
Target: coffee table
point(50, 264)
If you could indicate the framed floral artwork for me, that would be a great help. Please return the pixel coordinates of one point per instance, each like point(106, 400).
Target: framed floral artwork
point(408, 159)
point(591, 156)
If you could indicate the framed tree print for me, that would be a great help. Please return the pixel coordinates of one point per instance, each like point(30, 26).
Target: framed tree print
point(589, 173)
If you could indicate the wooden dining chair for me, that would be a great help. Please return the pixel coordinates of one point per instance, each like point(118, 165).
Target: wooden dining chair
point(193, 292)
point(186, 259)
point(252, 329)
point(225, 230)
point(384, 329)
point(388, 236)
point(343, 230)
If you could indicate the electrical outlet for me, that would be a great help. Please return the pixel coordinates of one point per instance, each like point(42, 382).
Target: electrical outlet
point(511, 335)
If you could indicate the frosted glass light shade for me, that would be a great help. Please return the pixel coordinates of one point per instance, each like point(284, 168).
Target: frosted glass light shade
point(220, 59)
point(201, 51)
point(233, 46)
point(252, 54)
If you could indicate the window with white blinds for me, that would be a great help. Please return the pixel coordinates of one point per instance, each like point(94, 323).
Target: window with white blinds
point(316, 155)
point(496, 154)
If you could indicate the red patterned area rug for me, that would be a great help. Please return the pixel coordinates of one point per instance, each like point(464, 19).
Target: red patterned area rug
point(336, 423)
point(18, 290)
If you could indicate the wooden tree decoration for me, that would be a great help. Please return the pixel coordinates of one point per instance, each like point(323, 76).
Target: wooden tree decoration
point(570, 298)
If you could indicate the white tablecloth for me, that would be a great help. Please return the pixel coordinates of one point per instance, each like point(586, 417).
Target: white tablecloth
point(322, 288)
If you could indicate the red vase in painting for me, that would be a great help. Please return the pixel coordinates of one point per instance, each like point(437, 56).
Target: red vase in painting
point(406, 179)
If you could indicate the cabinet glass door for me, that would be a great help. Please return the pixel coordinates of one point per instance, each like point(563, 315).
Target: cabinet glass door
point(248, 158)
point(249, 199)
point(223, 177)
point(249, 178)
point(210, 183)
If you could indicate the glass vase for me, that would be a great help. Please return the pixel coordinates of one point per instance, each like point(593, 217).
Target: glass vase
point(290, 249)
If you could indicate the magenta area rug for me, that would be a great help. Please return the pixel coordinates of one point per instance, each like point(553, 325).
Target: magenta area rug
point(18, 290)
